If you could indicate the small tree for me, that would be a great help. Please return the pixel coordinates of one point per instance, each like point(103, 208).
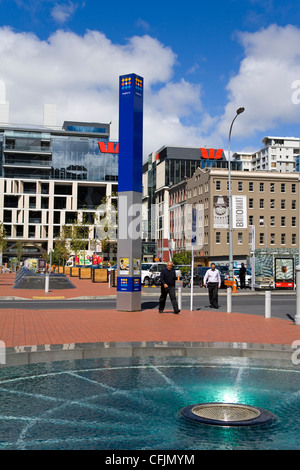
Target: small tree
point(61, 247)
point(79, 232)
point(19, 246)
point(185, 257)
point(3, 242)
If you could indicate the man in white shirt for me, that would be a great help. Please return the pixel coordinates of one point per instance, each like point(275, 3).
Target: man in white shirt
point(212, 279)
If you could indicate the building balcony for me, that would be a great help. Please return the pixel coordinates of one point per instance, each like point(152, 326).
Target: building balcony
point(25, 163)
point(11, 148)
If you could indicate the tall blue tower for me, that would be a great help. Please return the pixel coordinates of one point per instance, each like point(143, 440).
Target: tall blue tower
point(130, 192)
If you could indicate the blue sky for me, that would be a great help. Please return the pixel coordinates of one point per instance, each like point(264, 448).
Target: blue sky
point(200, 62)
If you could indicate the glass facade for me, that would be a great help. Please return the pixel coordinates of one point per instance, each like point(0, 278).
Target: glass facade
point(177, 170)
point(77, 158)
point(53, 155)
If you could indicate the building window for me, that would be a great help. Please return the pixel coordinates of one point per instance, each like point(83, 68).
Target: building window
point(44, 203)
point(293, 188)
point(251, 186)
point(218, 237)
point(294, 204)
point(282, 204)
point(283, 221)
point(294, 238)
point(283, 187)
point(293, 221)
point(29, 188)
point(218, 185)
point(32, 202)
point(240, 238)
point(19, 231)
point(261, 187)
point(31, 231)
point(283, 239)
point(250, 203)
point(272, 220)
point(272, 187)
point(261, 203)
point(261, 238)
point(272, 238)
point(261, 220)
point(240, 186)
point(272, 203)
point(250, 219)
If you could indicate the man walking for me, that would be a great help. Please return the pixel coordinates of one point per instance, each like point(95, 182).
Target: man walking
point(168, 279)
point(212, 279)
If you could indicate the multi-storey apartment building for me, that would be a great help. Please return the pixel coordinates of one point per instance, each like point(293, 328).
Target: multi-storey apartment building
point(278, 154)
point(49, 177)
point(263, 203)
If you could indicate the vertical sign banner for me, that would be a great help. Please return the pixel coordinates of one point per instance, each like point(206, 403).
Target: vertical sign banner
point(239, 212)
point(130, 192)
point(221, 211)
point(194, 226)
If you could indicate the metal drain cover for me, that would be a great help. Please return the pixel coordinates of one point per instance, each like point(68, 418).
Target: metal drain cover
point(227, 414)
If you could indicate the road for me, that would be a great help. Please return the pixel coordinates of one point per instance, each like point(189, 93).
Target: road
point(282, 305)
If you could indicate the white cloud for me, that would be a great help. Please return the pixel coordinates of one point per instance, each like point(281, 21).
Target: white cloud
point(80, 75)
point(62, 12)
point(264, 82)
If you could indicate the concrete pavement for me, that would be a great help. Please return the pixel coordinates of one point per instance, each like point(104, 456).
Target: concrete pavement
point(28, 330)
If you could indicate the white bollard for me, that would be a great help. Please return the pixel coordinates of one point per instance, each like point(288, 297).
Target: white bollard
point(46, 282)
point(268, 304)
point(179, 297)
point(229, 299)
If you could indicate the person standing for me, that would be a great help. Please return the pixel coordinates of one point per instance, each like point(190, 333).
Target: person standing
point(168, 279)
point(212, 279)
point(242, 276)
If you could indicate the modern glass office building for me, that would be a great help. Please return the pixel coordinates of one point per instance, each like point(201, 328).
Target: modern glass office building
point(48, 177)
point(164, 169)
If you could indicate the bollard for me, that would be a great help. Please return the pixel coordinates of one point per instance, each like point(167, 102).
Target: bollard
point(268, 304)
point(109, 285)
point(46, 282)
point(179, 297)
point(229, 299)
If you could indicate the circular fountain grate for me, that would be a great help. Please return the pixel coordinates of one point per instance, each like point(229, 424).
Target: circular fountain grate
point(227, 414)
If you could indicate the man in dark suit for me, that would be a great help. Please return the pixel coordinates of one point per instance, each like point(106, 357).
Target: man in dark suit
point(168, 279)
point(242, 276)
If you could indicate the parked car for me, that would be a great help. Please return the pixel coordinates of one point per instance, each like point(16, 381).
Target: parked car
point(200, 272)
point(153, 271)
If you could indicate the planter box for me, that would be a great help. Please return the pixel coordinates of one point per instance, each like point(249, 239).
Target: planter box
point(100, 275)
point(85, 273)
point(74, 272)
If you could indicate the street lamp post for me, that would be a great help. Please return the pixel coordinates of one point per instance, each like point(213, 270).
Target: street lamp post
point(229, 288)
point(297, 317)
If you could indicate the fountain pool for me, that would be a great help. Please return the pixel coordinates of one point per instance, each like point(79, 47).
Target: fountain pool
point(136, 403)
